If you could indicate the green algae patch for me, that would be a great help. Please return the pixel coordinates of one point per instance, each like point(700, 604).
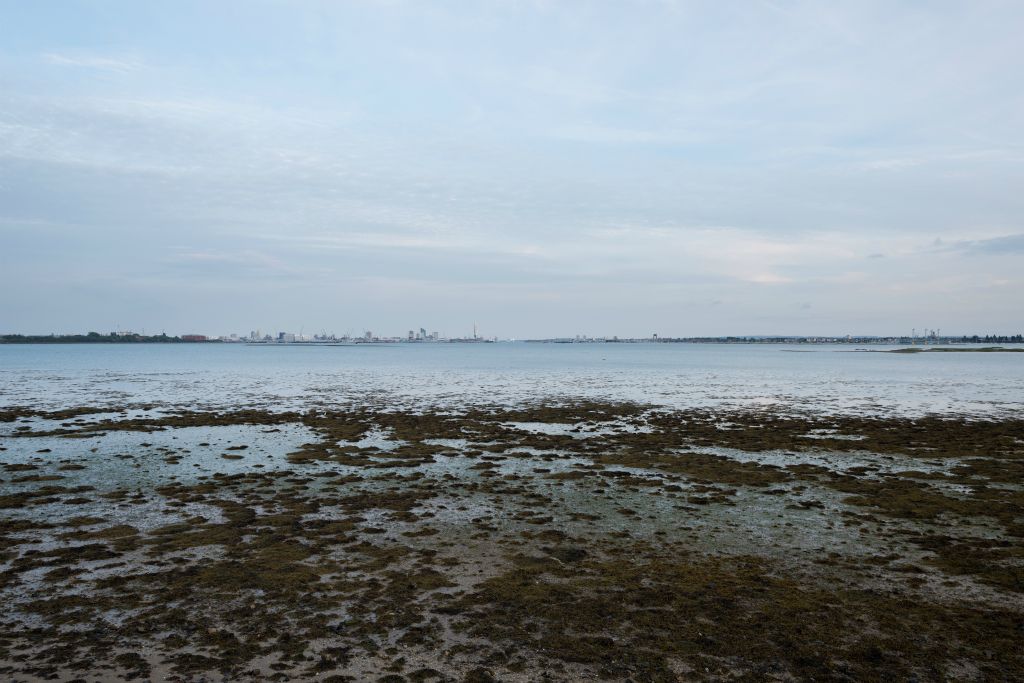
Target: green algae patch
point(269, 572)
point(996, 562)
point(649, 620)
point(703, 467)
point(605, 541)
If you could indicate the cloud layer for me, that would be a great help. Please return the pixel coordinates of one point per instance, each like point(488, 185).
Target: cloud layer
point(540, 168)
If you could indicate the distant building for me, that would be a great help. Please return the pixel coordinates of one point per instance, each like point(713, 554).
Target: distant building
point(193, 337)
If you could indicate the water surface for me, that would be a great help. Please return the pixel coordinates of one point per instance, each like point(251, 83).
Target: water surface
point(805, 378)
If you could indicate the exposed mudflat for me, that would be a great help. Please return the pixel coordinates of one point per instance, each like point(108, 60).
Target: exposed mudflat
point(559, 543)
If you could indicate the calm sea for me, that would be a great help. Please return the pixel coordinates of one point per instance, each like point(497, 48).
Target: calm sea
point(800, 378)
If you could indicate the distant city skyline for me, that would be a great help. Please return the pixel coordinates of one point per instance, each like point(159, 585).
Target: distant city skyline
point(924, 336)
point(544, 169)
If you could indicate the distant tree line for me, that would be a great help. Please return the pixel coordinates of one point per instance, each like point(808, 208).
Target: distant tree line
point(994, 339)
point(944, 339)
point(92, 338)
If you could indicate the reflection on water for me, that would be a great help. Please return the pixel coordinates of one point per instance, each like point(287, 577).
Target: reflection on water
point(825, 379)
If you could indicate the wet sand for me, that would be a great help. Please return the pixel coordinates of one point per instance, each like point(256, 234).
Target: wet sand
point(561, 543)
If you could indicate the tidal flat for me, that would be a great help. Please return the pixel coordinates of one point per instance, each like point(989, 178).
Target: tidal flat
point(548, 542)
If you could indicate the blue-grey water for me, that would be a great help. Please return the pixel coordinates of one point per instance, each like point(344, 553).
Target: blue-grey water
point(819, 378)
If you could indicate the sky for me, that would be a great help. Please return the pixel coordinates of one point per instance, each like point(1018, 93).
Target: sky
point(537, 168)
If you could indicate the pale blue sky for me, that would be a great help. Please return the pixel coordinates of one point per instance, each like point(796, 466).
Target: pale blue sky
point(541, 168)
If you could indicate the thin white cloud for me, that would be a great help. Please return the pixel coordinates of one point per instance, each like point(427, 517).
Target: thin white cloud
point(119, 65)
point(612, 135)
point(640, 152)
